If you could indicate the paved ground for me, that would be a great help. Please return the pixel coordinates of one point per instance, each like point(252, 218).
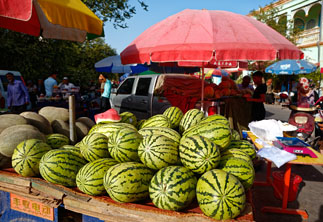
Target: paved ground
point(310, 195)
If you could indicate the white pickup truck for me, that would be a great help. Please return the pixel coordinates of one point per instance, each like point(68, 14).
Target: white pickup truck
point(147, 95)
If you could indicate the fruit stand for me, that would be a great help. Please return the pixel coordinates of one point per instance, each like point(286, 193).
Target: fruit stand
point(34, 198)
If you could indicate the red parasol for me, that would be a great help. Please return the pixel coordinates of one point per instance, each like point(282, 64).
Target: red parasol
point(201, 38)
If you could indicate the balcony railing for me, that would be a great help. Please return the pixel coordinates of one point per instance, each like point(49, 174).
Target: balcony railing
point(308, 37)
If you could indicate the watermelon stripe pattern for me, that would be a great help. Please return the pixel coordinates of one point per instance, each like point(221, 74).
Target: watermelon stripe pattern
point(156, 121)
point(217, 119)
point(108, 128)
point(60, 166)
point(199, 154)
point(218, 133)
point(94, 146)
point(158, 151)
point(168, 132)
point(56, 140)
point(173, 188)
point(128, 182)
point(220, 195)
point(234, 153)
point(27, 155)
point(128, 117)
point(244, 146)
point(89, 179)
point(123, 145)
point(240, 169)
point(175, 115)
point(190, 118)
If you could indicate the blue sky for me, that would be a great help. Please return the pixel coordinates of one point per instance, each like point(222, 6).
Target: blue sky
point(158, 10)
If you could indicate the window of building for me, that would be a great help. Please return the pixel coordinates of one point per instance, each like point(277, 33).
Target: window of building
point(299, 24)
point(310, 24)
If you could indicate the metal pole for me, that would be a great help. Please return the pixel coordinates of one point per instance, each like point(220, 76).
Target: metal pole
point(202, 90)
point(319, 47)
point(71, 110)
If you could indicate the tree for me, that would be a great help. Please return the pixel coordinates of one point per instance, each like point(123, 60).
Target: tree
point(115, 11)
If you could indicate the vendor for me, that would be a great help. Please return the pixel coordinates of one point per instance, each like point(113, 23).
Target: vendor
point(305, 95)
point(258, 111)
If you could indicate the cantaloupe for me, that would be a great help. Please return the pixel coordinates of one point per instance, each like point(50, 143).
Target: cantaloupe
point(87, 121)
point(81, 130)
point(38, 121)
point(52, 113)
point(13, 135)
point(7, 120)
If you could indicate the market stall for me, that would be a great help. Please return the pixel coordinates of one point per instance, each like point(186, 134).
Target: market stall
point(36, 199)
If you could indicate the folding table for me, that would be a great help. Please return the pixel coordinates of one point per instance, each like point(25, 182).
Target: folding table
point(287, 174)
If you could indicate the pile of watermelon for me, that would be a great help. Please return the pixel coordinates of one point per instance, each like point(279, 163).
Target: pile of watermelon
point(171, 158)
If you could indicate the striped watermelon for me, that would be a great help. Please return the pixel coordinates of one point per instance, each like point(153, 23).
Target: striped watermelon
point(56, 140)
point(158, 120)
point(108, 128)
point(27, 155)
point(218, 133)
point(128, 182)
point(217, 119)
point(128, 117)
point(78, 144)
point(172, 188)
point(241, 169)
point(139, 124)
point(123, 145)
point(60, 166)
point(94, 146)
point(89, 179)
point(190, 118)
point(234, 153)
point(199, 154)
point(175, 115)
point(235, 135)
point(71, 147)
point(244, 146)
point(168, 132)
point(220, 195)
point(158, 151)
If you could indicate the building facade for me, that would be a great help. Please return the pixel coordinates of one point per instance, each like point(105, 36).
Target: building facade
point(306, 16)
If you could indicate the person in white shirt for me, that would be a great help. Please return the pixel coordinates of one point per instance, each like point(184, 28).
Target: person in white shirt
point(65, 87)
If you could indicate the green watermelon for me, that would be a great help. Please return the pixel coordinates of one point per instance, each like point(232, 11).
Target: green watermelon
point(89, 179)
point(94, 146)
point(158, 151)
point(199, 154)
point(128, 117)
point(173, 188)
point(168, 132)
point(235, 153)
point(217, 119)
point(218, 133)
point(128, 182)
point(220, 195)
point(123, 145)
point(158, 120)
point(60, 166)
point(71, 147)
point(108, 128)
point(244, 146)
point(56, 140)
point(139, 124)
point(190, 118)
point(241, 169)
point(175, 115)
point(27, 155)
point(235, 135)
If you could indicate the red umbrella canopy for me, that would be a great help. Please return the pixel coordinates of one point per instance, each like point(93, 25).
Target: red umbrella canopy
point(201, 37)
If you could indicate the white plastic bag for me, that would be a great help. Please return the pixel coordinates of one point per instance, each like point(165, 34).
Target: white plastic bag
point(277, 156)
point(266, 130)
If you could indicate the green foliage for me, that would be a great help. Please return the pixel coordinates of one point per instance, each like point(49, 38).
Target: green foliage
point(36, 58)
point(115, 11)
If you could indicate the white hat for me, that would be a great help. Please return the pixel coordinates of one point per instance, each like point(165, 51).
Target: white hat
point(65, 77)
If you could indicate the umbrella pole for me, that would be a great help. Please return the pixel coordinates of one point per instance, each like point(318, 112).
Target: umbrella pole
point(202, 92)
